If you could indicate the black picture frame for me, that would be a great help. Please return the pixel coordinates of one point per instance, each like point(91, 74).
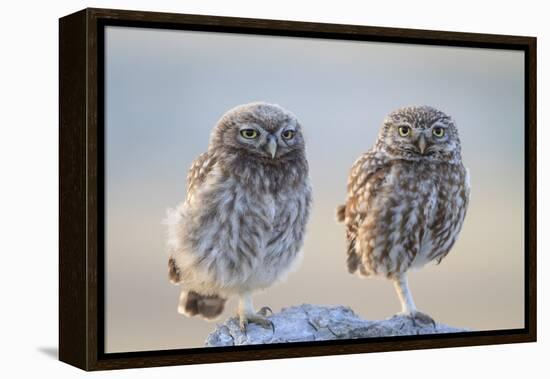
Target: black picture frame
point(81, 161)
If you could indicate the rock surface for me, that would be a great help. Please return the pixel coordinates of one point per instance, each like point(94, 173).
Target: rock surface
point(316, 323)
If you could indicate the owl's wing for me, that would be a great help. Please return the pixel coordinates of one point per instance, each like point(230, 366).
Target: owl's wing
point(460, 207)
point(364, 175)
point(197, 174)
point(199, 171)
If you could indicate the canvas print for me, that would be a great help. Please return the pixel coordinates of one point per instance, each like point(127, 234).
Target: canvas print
point(267, 189)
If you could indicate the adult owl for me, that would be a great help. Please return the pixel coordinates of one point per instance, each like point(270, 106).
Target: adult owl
point(242, 225)
point(407, 199)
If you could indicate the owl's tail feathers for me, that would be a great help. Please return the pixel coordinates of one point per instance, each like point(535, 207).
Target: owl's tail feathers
point(340, 213)
point(193, 303)
point(353, 260)
point(174, 274)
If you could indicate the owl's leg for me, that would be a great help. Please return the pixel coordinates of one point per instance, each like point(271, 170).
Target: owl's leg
point(408, 308)
point(247, 314)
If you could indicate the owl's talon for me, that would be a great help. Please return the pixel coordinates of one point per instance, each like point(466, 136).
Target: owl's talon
point(264, 310)
point(421, 318)
point(243, 324)
point(257, 319)
point(272, 325)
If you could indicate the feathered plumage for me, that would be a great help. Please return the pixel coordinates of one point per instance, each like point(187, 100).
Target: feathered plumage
point(242, 225)
point(407, 198)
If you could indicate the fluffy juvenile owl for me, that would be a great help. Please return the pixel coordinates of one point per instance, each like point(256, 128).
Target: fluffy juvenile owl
point(407, 198)
point(242, 225)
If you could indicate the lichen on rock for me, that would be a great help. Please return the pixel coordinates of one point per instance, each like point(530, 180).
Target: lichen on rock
point(319, 323)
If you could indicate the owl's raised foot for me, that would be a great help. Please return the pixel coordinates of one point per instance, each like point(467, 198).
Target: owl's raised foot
point(419, 318)
point(258, 318)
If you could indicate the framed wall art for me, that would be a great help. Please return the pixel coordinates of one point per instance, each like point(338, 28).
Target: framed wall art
point(238, 189)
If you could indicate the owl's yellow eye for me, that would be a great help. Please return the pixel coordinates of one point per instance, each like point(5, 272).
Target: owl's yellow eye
point(288, 134)
point(438, 131)
point(249, 133)
point(404, 130)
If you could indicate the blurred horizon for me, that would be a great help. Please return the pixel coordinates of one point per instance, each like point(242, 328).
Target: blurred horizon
point(165, 91)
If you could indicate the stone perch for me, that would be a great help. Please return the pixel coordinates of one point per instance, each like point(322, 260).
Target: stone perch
point(317, 323)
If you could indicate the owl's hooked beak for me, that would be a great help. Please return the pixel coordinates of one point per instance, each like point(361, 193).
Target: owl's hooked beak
point(422, 144)
point(272, 146)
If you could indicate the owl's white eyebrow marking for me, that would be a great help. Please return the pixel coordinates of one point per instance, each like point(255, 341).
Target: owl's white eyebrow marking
point(439, 124)
point(256, 127)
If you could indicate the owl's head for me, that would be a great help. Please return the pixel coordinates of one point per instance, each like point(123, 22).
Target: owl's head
point(259, 131)
point(420, 133)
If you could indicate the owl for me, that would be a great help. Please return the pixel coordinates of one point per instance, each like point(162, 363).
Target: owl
point(406, 199)
point(242, 225)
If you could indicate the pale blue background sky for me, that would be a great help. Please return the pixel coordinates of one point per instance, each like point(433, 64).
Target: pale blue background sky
point(165, 90)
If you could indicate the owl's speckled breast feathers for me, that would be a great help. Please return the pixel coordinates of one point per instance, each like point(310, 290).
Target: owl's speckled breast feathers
point(243, 226)
point(404, 214)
